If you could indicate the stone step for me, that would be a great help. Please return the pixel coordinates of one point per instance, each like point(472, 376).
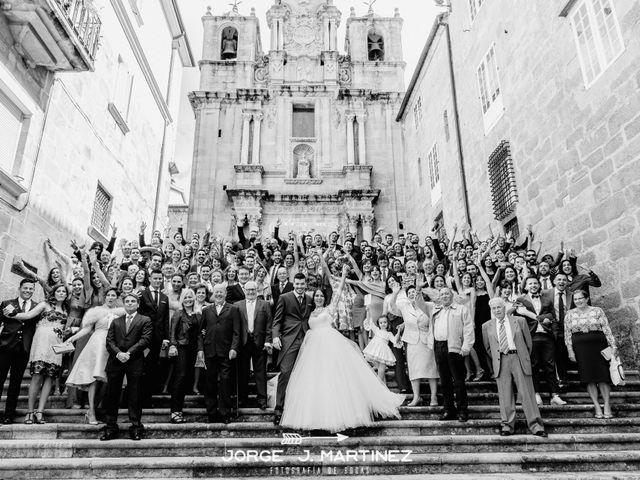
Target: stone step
point(267, 430)
point(438, 463)
point(220, 447)
point(160, 415)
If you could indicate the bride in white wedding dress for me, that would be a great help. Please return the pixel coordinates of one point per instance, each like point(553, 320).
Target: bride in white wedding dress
point(332, 387)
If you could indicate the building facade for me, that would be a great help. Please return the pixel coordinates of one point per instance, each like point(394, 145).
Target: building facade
point(301, 132)
point(89, 95)
point(536, 121)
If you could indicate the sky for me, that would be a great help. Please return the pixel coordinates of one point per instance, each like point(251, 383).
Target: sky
point(418, 18)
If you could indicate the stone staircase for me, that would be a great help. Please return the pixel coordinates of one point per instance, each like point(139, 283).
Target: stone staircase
point(578, 446)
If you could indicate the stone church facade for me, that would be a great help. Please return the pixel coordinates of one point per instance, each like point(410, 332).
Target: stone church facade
point(301, 132)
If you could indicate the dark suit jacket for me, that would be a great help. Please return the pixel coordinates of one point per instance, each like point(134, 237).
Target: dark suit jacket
point(159, 315)
point(550, 296)
point(276, 293)
point(219, 333)
point(16, 333)
point(234, 293)
point(135, 342)
point(262, 322)
point(521, 338)
point(546, 317)
point(290, 319)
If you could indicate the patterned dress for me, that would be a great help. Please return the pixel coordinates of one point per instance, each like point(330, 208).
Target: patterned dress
point(42, 359)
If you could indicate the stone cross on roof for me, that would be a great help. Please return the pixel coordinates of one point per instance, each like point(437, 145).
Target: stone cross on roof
point(234, 6)
point(370, 5)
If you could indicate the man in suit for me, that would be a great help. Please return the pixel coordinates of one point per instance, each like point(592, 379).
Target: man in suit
point(15, 344)
point(254, 345)
point(127, 339)
point(543, 328)
point(155, 305)
point(562, 301)
point(290, 325)
point(451, 337)
point(218, 346)
point(235, 293)
point(282, 285)
point(508, 342)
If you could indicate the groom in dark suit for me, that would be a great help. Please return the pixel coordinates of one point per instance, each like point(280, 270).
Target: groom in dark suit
point(128, 337)
point(15, 344)
point(290, 324)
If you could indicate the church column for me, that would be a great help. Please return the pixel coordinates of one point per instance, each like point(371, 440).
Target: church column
point(367, 226)
point(353, 223)
point(274, 35)
point(244, 151)
point(326, 29)
point(362, 152)
point(280, 34)
point(350, 143)
point(257, 122)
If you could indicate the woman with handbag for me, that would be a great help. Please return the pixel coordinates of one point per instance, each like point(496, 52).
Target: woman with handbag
point(587, 333)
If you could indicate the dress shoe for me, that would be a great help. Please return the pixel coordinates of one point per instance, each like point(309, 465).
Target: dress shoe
point(556, 400)
point(448, 416)
point(541, 433)
point(108, 435)
point(135, 434)
point(7, 421)
point(506, 433)
point(463, 417)
point(276, 419)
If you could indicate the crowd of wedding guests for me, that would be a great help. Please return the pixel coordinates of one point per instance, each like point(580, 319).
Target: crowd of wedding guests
point(177, 315)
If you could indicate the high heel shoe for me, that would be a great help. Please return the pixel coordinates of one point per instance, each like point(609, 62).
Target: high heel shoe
point(38, 417)
point(469, 377)
point(478, 376)
point(90, 420)
point(28, 420)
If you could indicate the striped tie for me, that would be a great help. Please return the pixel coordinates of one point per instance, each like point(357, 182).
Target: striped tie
point(504, 344)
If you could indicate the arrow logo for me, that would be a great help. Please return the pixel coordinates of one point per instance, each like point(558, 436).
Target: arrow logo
point(296, 439)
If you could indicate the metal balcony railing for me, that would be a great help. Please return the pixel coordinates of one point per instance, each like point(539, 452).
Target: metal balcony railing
point(84, 21)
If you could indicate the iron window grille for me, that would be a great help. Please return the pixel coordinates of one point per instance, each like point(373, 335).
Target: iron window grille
point(101, 210)
point(503, 181)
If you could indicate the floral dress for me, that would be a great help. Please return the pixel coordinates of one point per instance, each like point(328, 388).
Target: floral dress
point(344, 307)
point(49, 331)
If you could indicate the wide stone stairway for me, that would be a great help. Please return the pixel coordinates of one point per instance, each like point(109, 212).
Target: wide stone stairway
point(578, 446)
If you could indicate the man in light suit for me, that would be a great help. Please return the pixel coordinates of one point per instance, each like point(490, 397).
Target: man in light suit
point(218, 346)
point(15, 344)
point(451, 337)
point(508, 341)
point(255, 343)
point(127, 339)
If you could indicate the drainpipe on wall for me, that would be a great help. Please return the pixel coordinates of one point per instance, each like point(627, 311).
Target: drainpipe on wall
point(463, 176)
point(174, 48)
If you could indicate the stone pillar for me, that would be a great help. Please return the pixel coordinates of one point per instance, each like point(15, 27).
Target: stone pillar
point(350, 143)
point(362, 152)
point(353, 223)
point(367, 226)
point(274, 35)
point(326, 33)
point(257, 122)
point(280, 34)
point(244, 150)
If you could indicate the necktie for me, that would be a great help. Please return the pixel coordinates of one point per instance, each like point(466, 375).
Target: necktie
point(282, 285)
point(128, 323)
point(504, 343)
point(155, 297)
point(545, 283)
point(561, 307)
point(22, 304)
point(300, 301)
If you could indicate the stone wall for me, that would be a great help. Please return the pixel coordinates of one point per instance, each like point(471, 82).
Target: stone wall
point(576, 150)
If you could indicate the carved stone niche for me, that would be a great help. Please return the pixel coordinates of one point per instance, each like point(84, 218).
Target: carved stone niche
point(357, 176)
point(249, 175)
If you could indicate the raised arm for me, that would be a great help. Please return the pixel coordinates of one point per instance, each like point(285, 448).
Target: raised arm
point(487, 281)
point(33, 313)
point(337, 294)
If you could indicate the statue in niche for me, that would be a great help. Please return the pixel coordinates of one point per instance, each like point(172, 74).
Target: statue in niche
point(303, 156)
point(229, 44)
point(375, 44)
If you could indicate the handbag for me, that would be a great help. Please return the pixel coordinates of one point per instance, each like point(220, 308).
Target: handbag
point(63, 348)
point(616, 371)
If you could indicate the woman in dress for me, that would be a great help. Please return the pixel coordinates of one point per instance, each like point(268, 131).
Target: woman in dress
point(421, 359)
point(44, 364)
point(343, 301)
point(183, 347)
point(332, 387)
point(587, 333)
point(89, 369)
point(74, 323)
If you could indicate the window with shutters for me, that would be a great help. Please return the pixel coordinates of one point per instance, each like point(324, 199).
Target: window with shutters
point(502, 180)
point(490, 91)
point(101, 210)
point(597, 35)
point(474, 7)
point(11, 123)
point(121, 101)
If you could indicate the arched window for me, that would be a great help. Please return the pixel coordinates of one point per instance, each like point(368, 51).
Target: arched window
point(375, 46)
point(229, 44)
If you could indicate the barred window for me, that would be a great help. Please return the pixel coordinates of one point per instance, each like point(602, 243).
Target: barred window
point(101, 210)
point(417, 113)
point(474, 7)
point(503, 181)
point(512, 227)
point(434, 166)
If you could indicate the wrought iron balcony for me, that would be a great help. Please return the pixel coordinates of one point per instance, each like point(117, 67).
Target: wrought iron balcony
point(59, 35)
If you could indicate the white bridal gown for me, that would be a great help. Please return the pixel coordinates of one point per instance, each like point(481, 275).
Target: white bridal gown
point(332, 387)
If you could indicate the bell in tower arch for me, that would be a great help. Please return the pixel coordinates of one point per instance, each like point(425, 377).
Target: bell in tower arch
point(375, 45)
point(229, 44)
